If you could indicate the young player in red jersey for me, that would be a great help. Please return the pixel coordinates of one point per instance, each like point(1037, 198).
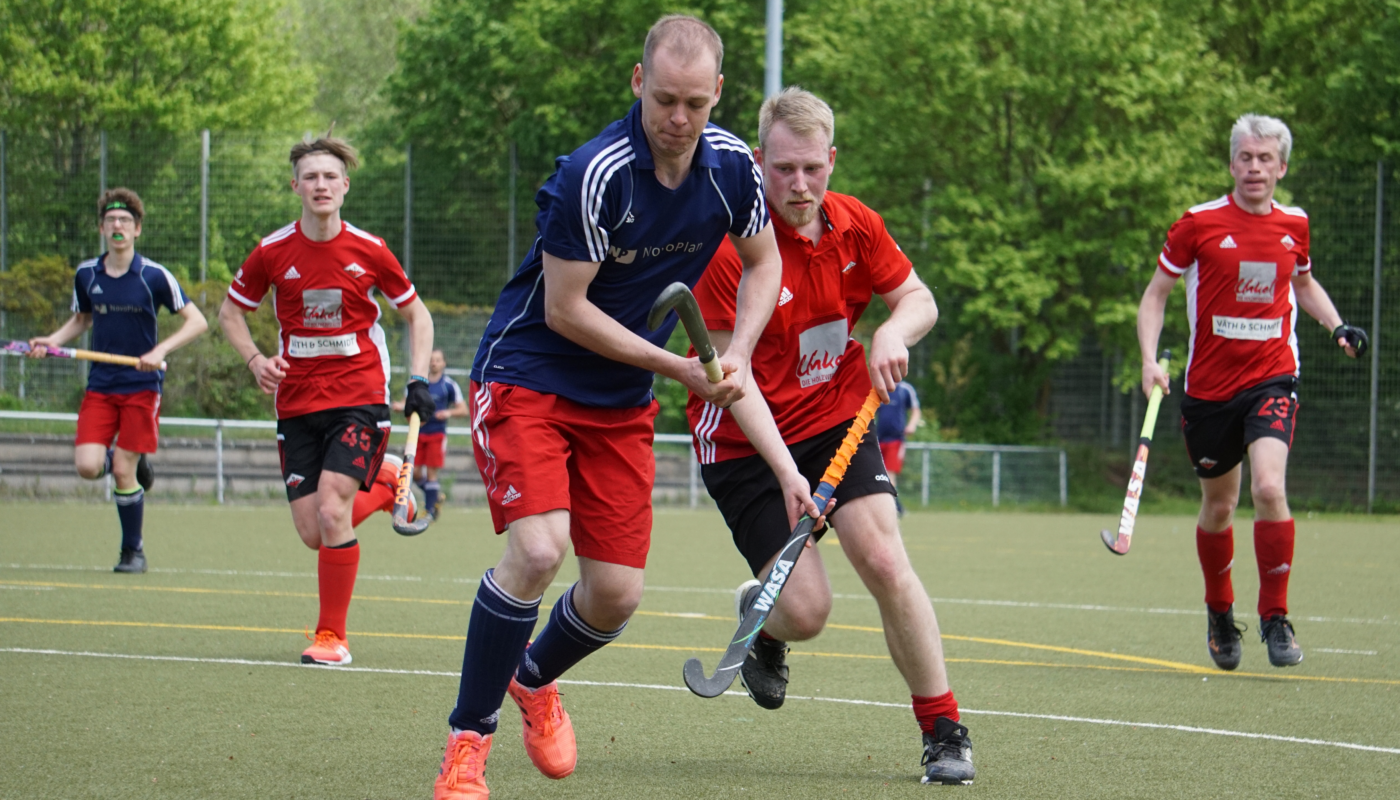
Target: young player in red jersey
point(1247, 269)
point(760, 460)
point(331, 370)
point(118, 296)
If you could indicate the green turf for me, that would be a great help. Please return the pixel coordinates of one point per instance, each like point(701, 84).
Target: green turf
point(76, 727)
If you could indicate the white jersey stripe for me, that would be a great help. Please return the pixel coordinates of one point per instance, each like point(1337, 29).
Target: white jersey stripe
point(1169, 266)
point(279, 234)
point(241, 299)
point(597, 246)
point(601, 178)
point(401, 299)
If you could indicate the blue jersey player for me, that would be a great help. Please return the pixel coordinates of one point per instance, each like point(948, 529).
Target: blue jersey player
point(117, 295)
point(560, 398)
point(432, 437)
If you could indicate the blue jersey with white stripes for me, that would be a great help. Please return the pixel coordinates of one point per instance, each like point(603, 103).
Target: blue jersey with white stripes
point(446, 394)
point(123, 313)
point(604, 204)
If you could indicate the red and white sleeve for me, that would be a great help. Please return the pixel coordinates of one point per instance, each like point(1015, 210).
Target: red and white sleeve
point(1179, 251)
point(391, 280)
point(250, 284)
point(717, 292)
point(889, 267)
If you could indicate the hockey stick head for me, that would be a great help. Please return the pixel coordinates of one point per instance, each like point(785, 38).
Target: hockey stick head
point(402, 524)
point(1118, 545)
point(677, 296)
point(712, 686)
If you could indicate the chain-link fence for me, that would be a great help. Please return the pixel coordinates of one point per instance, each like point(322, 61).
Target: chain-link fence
point(460, 228)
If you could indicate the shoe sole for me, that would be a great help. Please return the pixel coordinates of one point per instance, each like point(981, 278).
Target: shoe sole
point(1287, 663)
point(739, 597)
point(305, 659)
point(955, 782)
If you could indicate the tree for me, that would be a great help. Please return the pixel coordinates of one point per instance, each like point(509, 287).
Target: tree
point(1030, 156)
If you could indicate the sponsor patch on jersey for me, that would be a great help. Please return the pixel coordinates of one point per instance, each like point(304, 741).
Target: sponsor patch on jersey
point(291, 274)
point(238, 277)
point(622, 256)
point(1228, 242)
point(317, 346)
point(320, 308)
point(820, 352)
point(355, 270)
point(1256, 283)
point(785, 297)
point(1257, 330)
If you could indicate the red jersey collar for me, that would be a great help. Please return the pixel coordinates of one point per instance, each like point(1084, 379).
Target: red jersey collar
point(834, 214)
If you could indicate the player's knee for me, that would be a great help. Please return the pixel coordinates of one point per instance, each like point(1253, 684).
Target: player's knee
point(882, 566)
point(1268, 492)
point(807, 620)
point(88, 471)
point(537, 557)
point(1219, 509)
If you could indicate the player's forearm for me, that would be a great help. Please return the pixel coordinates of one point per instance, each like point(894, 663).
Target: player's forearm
point(583, 323)
point(72, 329)
point(759, 286)
point(192, 328)
point(232, 320)
point(756, 421)
point(912, 316)
point(1152, 312)
point(420, 336)
point(1314, 300)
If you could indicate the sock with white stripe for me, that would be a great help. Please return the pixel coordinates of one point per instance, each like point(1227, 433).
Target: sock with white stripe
point(430, 494)
point(500, 627)
point(564, 642)
point(131, 508)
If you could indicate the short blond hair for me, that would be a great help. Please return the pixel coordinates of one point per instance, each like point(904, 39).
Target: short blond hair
point(685, 35)
point(329, 145)
point(804, 113)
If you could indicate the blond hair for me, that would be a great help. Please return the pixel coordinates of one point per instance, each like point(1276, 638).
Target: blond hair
point(805, 114)
point(684, 35)
point(329, 145)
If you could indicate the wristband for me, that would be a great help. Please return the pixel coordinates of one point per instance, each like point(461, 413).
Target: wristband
point(412, 378)
point(250, 359)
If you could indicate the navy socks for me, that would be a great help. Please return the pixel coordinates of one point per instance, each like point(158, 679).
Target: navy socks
point(131, 506)
point(564, 642)
point(430, 494)
point(499, 630)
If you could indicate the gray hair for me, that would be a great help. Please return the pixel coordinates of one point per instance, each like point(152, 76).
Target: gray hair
point(1261, 127)
point(805, 114)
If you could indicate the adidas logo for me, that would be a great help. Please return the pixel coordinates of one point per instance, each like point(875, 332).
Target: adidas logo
point(1287, 240)
point(1281, 569)
point(294, 480)
point(97, 290)
point(882, 477)
point(291, 274)
point(630, 219)
point(355, 270)
point(1277, 425)
point(359, 462)
point(1228, 243)
point(785, 297)
point(510, 496)
point(849, 267)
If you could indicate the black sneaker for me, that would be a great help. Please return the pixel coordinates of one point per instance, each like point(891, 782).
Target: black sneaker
point(1223, 638)
point(948, 754)
point(131, 561)
point(764, 673)
point(1277, 633)
point(144, 474)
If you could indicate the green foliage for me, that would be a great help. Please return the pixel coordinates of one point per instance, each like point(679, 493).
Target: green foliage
point(1030, 157)
point(207, 378)
point(31, 293)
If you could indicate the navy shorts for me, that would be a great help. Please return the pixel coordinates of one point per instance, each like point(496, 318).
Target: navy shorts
point(751, 500)
point(1218, 433)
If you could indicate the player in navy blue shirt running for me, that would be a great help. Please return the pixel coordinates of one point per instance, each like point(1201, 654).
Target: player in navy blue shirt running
point(893, 423)
point(117, 295)
point(432, 437)
point(561, 398)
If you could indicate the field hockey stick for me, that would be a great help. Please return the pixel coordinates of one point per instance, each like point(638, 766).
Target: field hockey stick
point(402, 524)
point(15, 347)
point(1119, 544)
point(678, 296)
point(752, 623)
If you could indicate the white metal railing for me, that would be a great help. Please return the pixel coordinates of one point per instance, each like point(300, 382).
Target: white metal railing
point(219, 425)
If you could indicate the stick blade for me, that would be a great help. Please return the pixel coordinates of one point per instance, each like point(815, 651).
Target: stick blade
point(1118, 545)
point(403, 527)
point(697, 682)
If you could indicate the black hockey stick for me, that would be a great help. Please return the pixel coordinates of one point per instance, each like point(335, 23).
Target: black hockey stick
point(752, 623)
point(402, 524)
point(678, 296)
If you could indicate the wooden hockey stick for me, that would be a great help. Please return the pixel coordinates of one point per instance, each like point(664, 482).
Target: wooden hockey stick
point(19, 348)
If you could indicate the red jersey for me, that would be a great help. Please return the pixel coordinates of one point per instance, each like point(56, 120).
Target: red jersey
point(327, 315)
point(1239, 293)
point(810, 370)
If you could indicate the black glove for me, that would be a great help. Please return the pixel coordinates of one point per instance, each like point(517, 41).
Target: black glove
point(1354, 336)
point(417, 399)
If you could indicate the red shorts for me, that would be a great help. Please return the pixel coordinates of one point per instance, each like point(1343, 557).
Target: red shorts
point(539, 452)
point(894, 456)
point(132, 419)
point(432, 450)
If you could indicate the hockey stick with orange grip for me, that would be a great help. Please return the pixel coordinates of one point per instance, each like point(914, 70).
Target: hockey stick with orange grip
point(752, 623)
point(402, 524)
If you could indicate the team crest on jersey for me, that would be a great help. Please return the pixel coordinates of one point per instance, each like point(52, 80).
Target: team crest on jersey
point(291, 274)
point(320, 308)
point(1208, 462)
point(820, 351)
point(1228, 242)
point(849, 267)
point(1256, 283)
point(355, 270)
point(238, 278)
point(1287, 240)
point(294, 480)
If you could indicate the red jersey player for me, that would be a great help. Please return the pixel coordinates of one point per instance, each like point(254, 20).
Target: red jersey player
point(331, 369)
point(1247, 269)
point(836, 255)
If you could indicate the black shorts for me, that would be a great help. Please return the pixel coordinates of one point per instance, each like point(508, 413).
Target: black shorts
point(350, 441)
point(749, 497)
point(1219, 432)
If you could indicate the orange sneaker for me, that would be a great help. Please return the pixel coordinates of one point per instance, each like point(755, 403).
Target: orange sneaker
point(463, 772)
point(548, 733)
point(327, 648)
point(389, 476)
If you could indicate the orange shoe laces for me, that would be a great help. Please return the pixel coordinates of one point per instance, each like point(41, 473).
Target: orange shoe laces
point(544, 704)
point(464, 756)
point(326, 639)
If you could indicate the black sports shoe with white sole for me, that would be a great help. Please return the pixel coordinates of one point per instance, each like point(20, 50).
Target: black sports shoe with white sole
point(144, 474)
point(1223, 638)
point(1277, 633)
point(764, 673)
point(133, 561)
point(948, 754)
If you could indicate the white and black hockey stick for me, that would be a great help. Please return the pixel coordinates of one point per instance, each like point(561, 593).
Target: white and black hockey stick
point(1119, 544)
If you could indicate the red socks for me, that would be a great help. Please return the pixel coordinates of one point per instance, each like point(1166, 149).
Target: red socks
point(1217, 554)
point(380, 498)
point(335, 571)
point(1273, 550)
point(928, 709)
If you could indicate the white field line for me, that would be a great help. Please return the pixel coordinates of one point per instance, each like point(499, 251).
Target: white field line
point(669, 688)
point(1384, 620)
point(1344, 652)
point(27, 588)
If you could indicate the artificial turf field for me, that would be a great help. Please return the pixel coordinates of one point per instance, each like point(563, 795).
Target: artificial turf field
point(1080, 674)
